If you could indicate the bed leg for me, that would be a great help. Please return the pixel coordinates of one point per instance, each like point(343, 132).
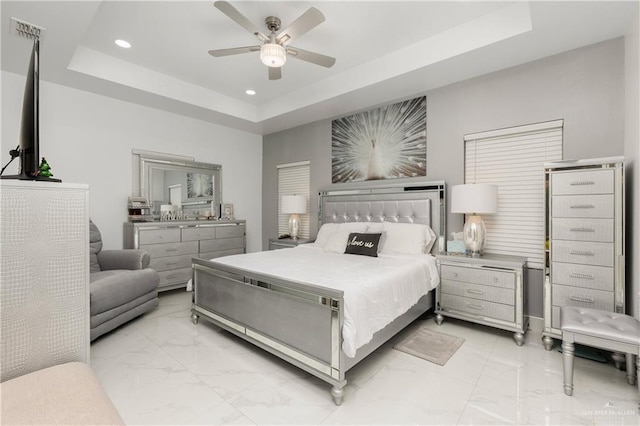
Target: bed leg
point(337, 393)
point(194, 318)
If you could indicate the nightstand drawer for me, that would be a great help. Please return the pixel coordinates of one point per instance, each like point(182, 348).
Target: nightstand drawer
point(477, 307)
point(600, 230)
point(588, 276)
point(479, 292)
point(564, 295)
point(483, 276)
point(586, 253)
point(600, 206)
point(586, 182)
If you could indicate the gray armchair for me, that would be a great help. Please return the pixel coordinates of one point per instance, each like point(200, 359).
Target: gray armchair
point(122, 285)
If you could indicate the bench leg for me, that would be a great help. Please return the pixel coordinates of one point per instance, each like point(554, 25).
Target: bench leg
point(568, 350)
point(631, 371)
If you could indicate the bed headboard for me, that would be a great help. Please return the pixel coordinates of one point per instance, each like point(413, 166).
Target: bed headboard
point(419, 202)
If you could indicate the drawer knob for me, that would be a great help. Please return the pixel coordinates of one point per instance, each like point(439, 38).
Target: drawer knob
point(455, 274)
point(583, 206)
point(495, 279)
point(582, 252)
point(582, 299)
point(581, 182)
point(581, 276)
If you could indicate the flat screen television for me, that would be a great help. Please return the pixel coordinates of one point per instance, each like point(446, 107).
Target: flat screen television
point(29, 147)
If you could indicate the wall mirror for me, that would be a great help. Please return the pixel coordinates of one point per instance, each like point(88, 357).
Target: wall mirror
point(166, 179)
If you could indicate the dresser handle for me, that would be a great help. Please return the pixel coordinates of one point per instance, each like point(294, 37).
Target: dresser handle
point(582, 276)
point(582, 230)
point(171, 276)
point(581, 182)
point(582, 253)
point(477, 307)
point(455, 275)
point(472, 291)
point(583, 206)
point(171, 263)
point(582, 299)
point(171, 250)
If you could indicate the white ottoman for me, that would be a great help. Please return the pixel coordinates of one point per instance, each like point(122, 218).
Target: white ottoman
point(600, 329)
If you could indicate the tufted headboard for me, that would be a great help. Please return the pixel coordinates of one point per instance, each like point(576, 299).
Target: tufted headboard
point(420, 202)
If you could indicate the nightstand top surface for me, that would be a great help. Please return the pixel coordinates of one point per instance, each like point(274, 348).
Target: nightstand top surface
point(485, 258)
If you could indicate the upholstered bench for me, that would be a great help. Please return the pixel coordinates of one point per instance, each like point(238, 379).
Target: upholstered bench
point(600, 329)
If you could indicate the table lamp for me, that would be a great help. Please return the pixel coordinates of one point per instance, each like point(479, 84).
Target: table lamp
point(294, 205)
point(474, 199)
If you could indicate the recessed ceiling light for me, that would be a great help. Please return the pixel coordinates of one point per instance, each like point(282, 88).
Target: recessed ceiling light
point(250, 92)
point(123, 43)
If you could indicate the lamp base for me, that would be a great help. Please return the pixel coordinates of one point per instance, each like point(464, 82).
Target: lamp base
point(294, 226)
point(474, 233)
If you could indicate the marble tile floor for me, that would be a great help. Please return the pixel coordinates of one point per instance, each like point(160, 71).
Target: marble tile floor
point(161, 369)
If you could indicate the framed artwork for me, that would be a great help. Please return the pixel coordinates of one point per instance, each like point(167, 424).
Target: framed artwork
point(382, 143)
point(227, 211)
point(199, 185)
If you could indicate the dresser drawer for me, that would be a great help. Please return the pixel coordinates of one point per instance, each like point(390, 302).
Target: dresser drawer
point(479, 292)
point(585, 253)
point(586, 182)
point(155, 236)
point(221, 253)
point(588, 276)
point(477, 307)
point(221, 244)
point(171, 249)
point(483, 276)
point(600, 230)
point(176, 276)
point(199, 233)
point(564, 295)
point(172, 262)
point(231, 231)
point(600, 206)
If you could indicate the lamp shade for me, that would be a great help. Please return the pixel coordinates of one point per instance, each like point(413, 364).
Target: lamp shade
point(480, 198)
point(273, 55)
point(294, 204)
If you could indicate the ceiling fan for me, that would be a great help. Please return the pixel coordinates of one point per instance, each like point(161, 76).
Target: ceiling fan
point(275, 47)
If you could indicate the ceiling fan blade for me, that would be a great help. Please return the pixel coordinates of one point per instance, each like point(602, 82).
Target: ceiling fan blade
point(313, 57)
point(307, 21)
point(240, 19)
point(234, 51)
point(275, 73)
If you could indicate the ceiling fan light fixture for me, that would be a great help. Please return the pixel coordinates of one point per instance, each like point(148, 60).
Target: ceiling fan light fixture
point(273, 55)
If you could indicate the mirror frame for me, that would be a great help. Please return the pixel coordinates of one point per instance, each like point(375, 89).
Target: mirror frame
point(147, 162)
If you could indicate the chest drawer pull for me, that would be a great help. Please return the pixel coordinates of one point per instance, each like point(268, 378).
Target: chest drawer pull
point(582, 299)
point(581, 276)
point(473, 291)
point(472, 306)
point(581, 252)
point(582, 206)
point(581, 182)
point(582, 230)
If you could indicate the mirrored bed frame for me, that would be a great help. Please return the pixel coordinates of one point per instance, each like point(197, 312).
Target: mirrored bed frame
point(301, 322)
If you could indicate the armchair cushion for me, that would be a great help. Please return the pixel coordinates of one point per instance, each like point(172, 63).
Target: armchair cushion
point(95, 246)
point(123, 259)
point(110, 289)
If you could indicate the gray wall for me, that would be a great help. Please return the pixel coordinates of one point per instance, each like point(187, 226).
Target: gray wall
point(585, 87)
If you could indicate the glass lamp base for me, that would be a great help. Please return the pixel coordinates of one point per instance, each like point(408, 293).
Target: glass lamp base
point(474, 233)
point(294, 226)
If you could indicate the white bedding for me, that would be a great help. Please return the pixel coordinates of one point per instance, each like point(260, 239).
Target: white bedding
point(376, 289)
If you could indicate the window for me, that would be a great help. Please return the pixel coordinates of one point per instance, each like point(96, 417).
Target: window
point(293, 179)
point(513, 159)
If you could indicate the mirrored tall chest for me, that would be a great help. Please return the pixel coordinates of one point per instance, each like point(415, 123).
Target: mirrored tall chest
point(584, 229)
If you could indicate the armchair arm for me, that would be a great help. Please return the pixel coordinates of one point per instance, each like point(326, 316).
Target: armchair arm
point(123, 259)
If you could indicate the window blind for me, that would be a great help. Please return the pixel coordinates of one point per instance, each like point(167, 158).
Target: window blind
point(293, 179)
point(513, 159)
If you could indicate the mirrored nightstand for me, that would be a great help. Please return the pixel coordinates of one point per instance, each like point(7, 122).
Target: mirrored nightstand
point(277, 243)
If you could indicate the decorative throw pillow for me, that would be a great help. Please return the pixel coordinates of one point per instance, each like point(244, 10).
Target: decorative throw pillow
point(363, 244)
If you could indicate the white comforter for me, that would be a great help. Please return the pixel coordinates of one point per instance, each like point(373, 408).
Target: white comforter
point(376, 290)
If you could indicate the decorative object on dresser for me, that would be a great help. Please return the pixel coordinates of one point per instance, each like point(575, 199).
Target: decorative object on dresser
point(294, 205)
point(172, 245)
point(487, 289)
point(280, 243)
point(473, 200)
point(584, 234)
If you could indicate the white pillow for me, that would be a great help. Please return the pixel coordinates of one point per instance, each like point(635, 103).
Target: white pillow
point(325, 232)
point(337, 241)
point(408, 238)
